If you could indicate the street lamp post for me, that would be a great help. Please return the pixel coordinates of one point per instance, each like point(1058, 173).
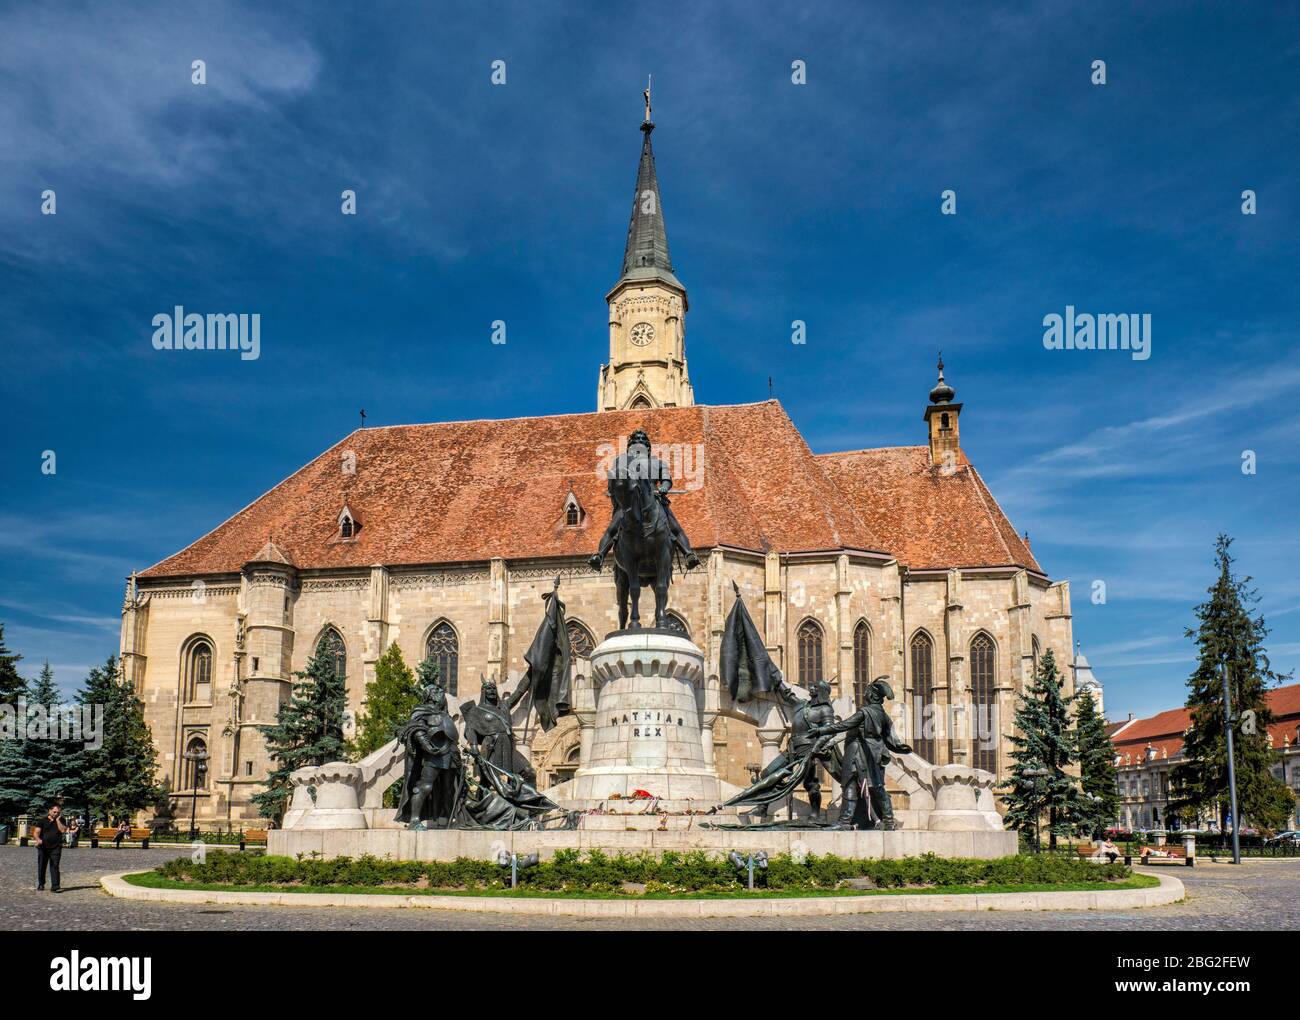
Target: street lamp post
point(1232, 768)
point(200, 760)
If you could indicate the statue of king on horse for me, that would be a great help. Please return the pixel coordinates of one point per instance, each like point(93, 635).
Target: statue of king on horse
point(643, 531)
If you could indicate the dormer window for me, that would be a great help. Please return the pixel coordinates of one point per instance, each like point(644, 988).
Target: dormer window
point(573, 512)
point(348, 526)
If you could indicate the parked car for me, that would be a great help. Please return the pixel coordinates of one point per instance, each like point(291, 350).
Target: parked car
point(1290, 836)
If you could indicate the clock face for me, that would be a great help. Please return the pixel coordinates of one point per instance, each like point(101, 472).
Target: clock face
point(642, 334)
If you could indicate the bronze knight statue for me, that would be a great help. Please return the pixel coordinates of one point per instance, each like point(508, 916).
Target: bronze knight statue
point(643, 531)
point(805, 756)
point(487, 725)
point(433, 781)
point(868, 741)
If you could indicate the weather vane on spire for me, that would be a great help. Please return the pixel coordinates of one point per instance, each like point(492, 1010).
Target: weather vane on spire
point(646, 93)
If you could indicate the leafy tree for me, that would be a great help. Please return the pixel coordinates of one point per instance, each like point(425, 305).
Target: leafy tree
point(120, 776)
point(1096, 767)
point(40, 766)
point(12, 685)
point(1228, 633)
point(390, 699)
point(307, 731)
point(1045, 745)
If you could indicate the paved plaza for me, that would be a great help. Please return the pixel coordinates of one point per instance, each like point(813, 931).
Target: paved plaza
point(1258, 895)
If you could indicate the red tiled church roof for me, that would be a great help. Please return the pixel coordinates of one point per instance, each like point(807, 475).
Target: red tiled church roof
point(476, 490)
point(924, 517)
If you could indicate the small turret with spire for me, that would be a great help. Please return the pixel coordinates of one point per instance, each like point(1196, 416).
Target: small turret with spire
point(941, 417)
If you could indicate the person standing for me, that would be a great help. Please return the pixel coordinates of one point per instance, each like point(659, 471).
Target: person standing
point(49, 847)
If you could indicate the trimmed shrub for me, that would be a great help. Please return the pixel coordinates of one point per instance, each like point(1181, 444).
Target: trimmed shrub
point(695, 871)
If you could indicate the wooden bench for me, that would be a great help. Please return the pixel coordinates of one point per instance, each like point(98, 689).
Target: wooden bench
point(1174, 855)
point(140, 836)
point(252, 836)
point(1089, 853)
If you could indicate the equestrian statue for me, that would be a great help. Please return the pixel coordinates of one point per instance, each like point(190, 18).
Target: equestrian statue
point(643, 531)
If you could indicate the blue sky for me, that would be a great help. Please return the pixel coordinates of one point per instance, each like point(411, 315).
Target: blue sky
point(817, 202)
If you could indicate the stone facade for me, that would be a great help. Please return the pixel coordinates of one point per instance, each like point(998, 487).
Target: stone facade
point(263, 624)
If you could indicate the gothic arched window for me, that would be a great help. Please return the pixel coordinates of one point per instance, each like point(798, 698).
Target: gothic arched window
point(332, 642)
point(198, 672)
point(924, 724)
point(196, 764)
point(1035, 650)
point(580, 640)
point(810, 652)
point(861, 662)
point(984, 729)
point(444, 649)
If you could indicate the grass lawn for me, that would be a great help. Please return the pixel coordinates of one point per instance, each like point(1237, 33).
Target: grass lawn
point(152, 880)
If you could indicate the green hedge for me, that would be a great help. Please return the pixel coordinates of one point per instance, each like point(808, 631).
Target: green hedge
point(687, 872)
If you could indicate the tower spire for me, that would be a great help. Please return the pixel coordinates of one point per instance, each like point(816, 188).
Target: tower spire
point(645, 256)
point(647, 305)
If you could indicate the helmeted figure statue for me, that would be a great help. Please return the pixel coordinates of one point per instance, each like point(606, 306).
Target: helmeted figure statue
point(487, 726)
point(807, 716)
point(432, 783)
point(869, 737)
point(804, 757)
point(643, 529)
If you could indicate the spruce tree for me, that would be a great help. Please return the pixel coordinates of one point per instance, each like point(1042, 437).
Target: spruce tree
point(1045, 745)
point(1227, 633)
point(1096, 767)
point(12, 684)
point(39, 767)
point(390, 699)
point(15, 778)
point(120, 776)
point(307, 731)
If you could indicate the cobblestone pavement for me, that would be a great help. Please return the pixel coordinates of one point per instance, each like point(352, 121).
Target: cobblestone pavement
point(1260, 895)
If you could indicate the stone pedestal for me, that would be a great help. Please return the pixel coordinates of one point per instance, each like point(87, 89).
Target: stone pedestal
point(963, 800)
point(336, 804)
point(647, 733)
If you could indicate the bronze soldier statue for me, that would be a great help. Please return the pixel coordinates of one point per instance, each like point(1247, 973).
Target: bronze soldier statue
point(487, 726)
point(808, 715)
point(639, 464)
point(869, 739)
point(431, 785)
point(808, 752)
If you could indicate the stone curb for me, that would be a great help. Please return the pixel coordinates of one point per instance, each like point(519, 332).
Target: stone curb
point(1170, 890)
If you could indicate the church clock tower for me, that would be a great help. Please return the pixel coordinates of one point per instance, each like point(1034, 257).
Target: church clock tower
point(647, 307)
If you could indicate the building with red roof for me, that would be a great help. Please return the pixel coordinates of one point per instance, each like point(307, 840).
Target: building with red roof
point(441, 537)
point(1146, 750)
